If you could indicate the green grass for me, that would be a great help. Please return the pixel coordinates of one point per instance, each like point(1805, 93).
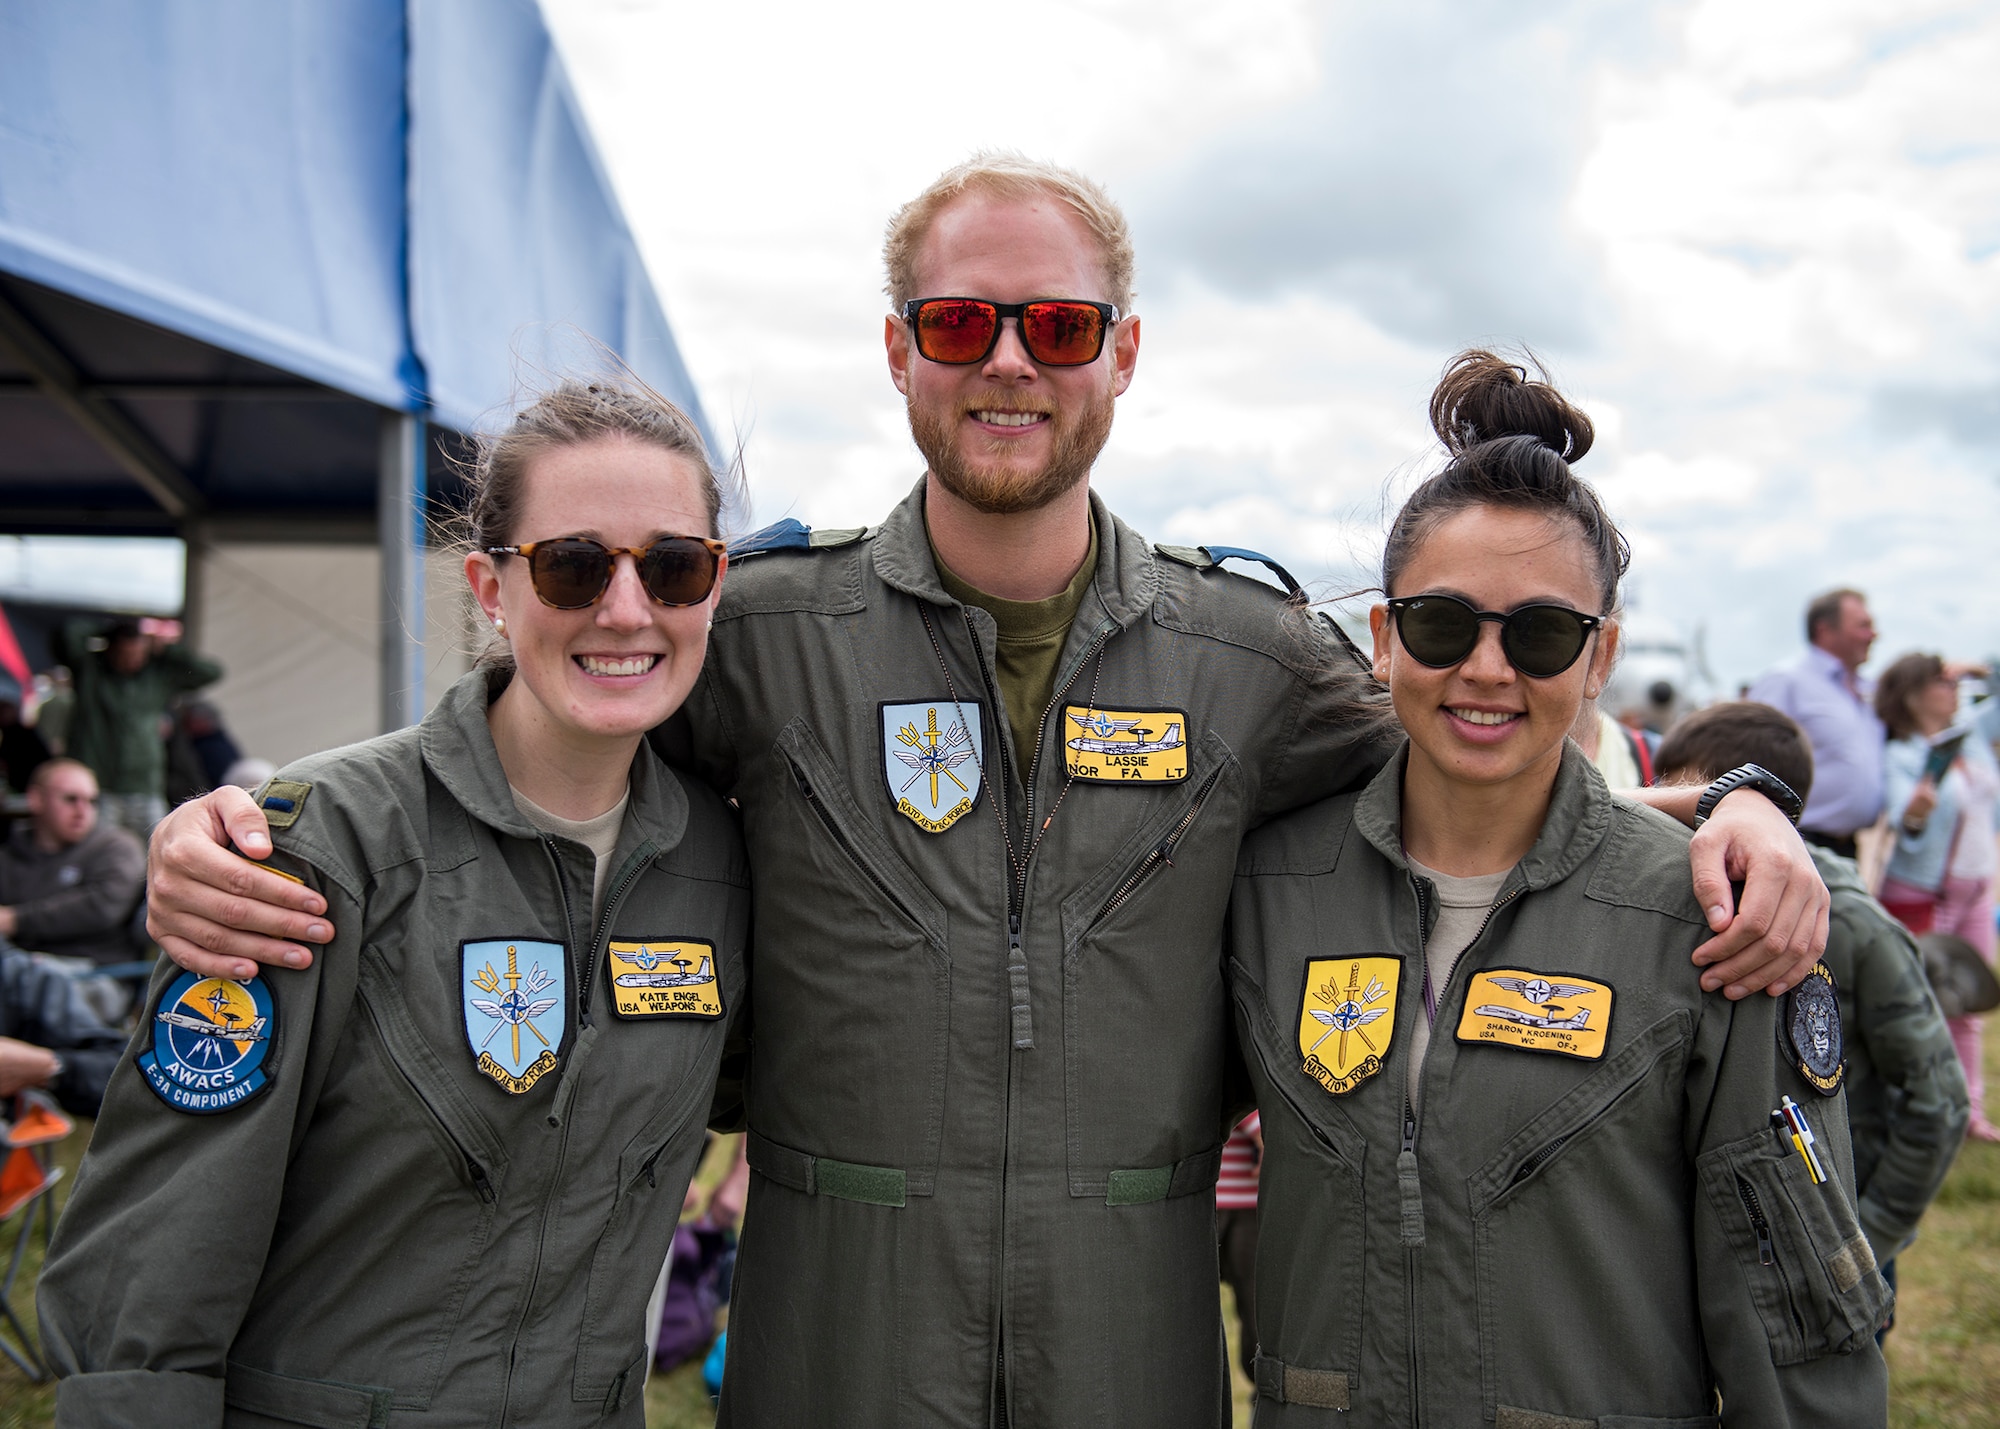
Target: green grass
point(1944, 1354)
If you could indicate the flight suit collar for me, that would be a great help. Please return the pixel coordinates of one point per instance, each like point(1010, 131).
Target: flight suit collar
point(458, 750)
point(1128, 576)
point(1579, 818)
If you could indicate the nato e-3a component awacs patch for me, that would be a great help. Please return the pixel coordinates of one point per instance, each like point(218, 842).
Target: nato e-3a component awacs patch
point(514, 992)
point(664, 977)
point(1809, 1031)
point(1347, 1016)
point(932, 751)
point(1125, 746)
point(1537, 1012)
point(211, 1039)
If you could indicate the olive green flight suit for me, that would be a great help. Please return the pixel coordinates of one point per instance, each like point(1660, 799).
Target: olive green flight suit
point(1600, 1227)
point(385, 1234)
point(1906, 1103)
point(986, 1109)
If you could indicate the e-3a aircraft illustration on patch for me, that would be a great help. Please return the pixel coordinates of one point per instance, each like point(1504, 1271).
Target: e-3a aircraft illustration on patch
point(1538, 991)
point(647, 959)
point(228, 1028)
point(1141, 742)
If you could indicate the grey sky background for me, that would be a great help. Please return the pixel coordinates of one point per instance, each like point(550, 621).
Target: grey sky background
point(1760, 244)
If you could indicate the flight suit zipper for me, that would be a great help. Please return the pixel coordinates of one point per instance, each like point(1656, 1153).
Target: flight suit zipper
point(1017, 897)
point(475, 1170)
point(1162, 853)
point(1767, 1252)
point(1409, 1184)
point(846, 844)
point(585, 1032)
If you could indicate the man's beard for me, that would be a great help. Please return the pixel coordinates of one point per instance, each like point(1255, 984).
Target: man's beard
point(995, 489)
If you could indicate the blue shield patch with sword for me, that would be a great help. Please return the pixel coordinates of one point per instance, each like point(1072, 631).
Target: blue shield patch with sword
point(516, 994)
point(932, 751)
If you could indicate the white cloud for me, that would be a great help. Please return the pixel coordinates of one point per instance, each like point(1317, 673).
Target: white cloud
point(1760, 243)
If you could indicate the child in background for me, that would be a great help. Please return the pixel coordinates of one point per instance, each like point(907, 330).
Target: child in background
point(1236, 1229)
point(1906, 1096)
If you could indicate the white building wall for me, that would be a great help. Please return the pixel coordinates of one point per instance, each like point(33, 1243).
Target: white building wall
point(294, 626)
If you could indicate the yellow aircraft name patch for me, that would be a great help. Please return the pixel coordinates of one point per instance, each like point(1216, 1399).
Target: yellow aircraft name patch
point(1125, 746)
point(1346, 1019)
point(665, 977)
point(1537, 1012)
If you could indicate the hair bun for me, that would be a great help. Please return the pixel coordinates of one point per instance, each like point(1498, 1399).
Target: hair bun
point(1483, 397)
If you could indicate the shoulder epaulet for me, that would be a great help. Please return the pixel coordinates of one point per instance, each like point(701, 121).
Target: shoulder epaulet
point(1204, 558)
point(793, 535)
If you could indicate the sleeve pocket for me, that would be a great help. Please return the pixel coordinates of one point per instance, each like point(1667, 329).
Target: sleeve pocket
point(1811, 1274)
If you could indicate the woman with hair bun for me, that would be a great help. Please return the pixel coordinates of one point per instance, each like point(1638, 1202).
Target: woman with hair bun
point(1519, 1169)
point(433, 1175)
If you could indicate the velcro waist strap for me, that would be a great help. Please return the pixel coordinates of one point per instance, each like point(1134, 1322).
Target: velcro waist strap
point(1314, 1388)
point(1160, 1183)
point(823, 1176)
point(321, 1404)
point(1508, 1417)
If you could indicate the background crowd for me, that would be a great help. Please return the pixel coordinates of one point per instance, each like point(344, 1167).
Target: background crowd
point(92, 755)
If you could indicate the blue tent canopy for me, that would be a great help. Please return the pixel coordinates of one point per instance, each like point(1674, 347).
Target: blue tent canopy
point(249, 253)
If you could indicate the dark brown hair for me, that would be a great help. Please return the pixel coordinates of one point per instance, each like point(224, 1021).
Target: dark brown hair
point(569, 414)
point(1824, 610)
point(1899, 685)
point(1711, 742)
point(1512, 439)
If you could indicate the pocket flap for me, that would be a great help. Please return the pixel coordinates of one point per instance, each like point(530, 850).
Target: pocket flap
point(858, 837)
point(430, 1081)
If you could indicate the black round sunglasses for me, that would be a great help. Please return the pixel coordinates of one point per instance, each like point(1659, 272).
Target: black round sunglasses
point(1541, 641)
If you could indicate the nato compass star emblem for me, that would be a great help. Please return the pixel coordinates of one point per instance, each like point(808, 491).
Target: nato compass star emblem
point(1343, 1040)
point(508, 1026)
point(930, 757)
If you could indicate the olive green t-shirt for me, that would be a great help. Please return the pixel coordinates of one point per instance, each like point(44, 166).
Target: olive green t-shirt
point(1031, 635)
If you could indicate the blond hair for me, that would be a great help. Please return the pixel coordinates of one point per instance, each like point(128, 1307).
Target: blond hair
point(1006, 175)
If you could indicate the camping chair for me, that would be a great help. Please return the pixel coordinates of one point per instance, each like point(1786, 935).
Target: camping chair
point(27, 1185)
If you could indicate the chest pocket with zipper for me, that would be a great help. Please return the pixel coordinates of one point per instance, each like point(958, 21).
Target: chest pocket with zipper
point(1311, 1308)
point(1586, 1196)
point(653, 1165)
point(1142, 980)
point(1812, 1275)
point(867, 970)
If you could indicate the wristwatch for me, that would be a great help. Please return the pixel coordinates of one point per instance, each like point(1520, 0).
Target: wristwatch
point(1749, 776)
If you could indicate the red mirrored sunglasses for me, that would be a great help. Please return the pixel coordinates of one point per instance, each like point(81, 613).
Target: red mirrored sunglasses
point(1058, 332)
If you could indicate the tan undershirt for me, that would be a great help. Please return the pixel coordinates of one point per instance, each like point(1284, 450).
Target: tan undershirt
point(1463, 904)
point(599, 835)
point(1030, 644)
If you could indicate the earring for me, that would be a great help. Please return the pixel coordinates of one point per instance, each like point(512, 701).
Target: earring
point(500, 626)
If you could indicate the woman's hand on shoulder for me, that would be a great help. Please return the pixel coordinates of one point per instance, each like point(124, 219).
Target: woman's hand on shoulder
point(213, 910)
point(1773, 936)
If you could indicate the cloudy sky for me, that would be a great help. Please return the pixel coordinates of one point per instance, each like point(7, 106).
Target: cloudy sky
point(1760, 243)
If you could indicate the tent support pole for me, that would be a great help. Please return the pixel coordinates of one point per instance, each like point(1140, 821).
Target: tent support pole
point(399, 504)
point(194, 592)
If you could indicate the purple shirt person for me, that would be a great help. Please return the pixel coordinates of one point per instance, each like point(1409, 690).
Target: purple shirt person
point(1825, 693)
